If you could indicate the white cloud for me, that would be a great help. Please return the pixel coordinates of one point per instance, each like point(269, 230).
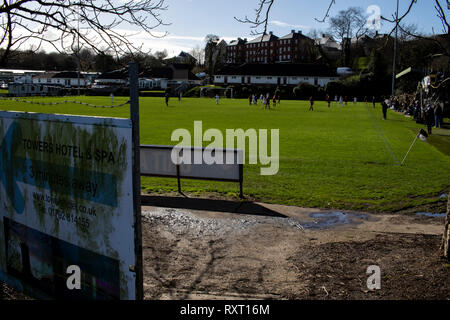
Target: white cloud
point(288, 25)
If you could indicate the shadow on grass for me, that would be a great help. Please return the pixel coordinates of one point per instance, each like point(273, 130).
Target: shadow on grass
point(209, 205)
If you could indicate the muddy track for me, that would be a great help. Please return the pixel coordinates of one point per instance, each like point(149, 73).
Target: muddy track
point(191, 254)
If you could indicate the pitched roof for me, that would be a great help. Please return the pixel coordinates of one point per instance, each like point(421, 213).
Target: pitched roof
point(294, 35)
point(279, 69)
point(239, 41)
point(264, 38)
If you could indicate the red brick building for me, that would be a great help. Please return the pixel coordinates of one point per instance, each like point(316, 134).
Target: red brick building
point(268, 48)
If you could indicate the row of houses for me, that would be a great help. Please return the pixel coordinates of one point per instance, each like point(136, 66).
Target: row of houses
point(36, 82)
point(177, 75)
point(275, 74)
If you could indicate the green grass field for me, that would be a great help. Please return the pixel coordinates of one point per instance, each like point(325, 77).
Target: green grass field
point(329, 158)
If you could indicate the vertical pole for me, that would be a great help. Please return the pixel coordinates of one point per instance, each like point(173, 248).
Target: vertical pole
point(178, 178)
point(395, 54)
point(241, 179)
point(78, 50)
point(134, 115)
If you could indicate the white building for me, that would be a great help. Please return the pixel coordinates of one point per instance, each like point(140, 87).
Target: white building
point(65, 79)
point(275, 74)
point(18, 75)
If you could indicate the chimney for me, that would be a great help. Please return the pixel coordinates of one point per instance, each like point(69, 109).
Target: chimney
point(271, 33)
point(299, 31)
point(323, 35)
point(292, 31)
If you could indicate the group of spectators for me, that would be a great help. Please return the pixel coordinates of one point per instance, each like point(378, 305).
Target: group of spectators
point(429, 112)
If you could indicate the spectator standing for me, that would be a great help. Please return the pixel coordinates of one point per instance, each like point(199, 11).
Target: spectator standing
point(429, 117)
point(384, 107)
point(437, 115)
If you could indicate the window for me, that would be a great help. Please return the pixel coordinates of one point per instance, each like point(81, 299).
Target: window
point(306, 79)
point(269, 78)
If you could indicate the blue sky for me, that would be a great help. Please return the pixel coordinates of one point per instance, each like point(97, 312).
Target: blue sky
point(192, 20)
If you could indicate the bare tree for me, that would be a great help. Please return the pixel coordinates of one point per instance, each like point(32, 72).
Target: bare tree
point(199, 54)
point(348, 24)
point(263, 8)
point(67, 24)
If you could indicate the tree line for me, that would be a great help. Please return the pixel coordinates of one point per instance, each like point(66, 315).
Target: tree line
point(89, 60)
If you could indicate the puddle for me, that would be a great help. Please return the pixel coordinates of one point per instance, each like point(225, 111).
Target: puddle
point(331, 219)
point(429, 214)
point(183, 221)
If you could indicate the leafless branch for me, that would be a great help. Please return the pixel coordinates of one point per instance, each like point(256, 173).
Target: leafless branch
point(441, 15)
point(67, 25)
point(261, 17)
point(332, 2)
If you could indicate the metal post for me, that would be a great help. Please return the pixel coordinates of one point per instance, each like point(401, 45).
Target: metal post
point(241, 179)
point(134, 115)
point(78, 50)
point(179, 179)
point(395, 54)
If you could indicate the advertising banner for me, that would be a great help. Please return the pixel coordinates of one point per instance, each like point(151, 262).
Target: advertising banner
point(66, 206)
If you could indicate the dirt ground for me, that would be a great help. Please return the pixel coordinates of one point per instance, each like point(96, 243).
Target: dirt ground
point(218, 249)
point(278, 252)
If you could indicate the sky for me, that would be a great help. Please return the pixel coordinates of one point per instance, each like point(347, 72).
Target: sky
point(191, 20)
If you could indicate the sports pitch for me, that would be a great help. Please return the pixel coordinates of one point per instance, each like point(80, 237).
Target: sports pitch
point(342, 157)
